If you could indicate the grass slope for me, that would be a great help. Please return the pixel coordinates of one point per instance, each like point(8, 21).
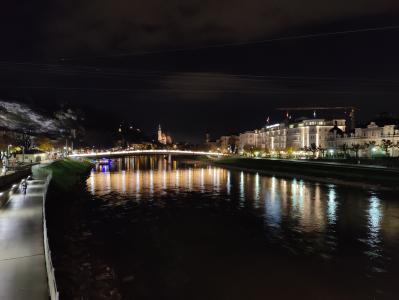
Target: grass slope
point(67, 173)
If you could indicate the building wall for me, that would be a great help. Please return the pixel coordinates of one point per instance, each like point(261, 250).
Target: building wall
point(37, 157)
point(297, 135)
point(369, 135)
point(314, 131)
point(250, 138)
point(273, 137)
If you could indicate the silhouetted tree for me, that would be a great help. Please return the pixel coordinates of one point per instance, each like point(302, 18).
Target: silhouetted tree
point(386, 145)
point(322, 151)
point(369, 145)
point(313, 148)
point(344, 148)
point(24, 140)
point(356, 149)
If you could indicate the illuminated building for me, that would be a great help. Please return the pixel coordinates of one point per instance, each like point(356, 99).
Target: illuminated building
point(274, 137)
point(372, 134)
point(249, 138)
point(303, 134)
point(298, 135)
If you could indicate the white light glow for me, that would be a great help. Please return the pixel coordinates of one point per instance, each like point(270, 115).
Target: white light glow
point(132, 152)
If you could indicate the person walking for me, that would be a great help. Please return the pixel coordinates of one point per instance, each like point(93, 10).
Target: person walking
point(24, 186)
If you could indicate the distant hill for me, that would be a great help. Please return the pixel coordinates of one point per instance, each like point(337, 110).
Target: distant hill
point(21, 118)
point(90, 125)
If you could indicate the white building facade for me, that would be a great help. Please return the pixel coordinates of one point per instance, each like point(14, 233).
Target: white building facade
point(294, 136)
point(312, 132)
point(369, 139)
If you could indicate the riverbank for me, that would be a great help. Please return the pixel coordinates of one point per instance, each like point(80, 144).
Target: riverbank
point(67, 173)
point(373, 177)
point(81, 272)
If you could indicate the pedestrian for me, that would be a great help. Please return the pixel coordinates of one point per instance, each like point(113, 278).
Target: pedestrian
point(24, 186)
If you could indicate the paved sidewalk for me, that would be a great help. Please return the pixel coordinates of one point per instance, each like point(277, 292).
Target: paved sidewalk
point(22, 261)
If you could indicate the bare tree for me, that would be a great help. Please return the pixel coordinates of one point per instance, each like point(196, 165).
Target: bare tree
point(370, 144)
point(386, 145)
point(344, 148)
point(356, 149)
point(25, 140)
point(313, 148)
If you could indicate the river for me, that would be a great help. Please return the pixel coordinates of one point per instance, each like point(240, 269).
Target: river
point(190, 231)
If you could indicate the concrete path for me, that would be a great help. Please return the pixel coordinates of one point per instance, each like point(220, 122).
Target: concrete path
point(22, 261)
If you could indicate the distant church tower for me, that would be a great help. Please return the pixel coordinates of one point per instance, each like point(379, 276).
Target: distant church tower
point(160, 134)
point(162, 138)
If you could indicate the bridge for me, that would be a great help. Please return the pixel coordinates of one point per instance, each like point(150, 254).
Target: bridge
point(169, 153)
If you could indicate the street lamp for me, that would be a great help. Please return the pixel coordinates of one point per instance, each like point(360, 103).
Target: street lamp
point(373, 152)
point(7, 158)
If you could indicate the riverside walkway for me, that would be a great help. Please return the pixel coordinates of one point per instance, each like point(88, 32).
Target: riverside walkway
point(22, 256)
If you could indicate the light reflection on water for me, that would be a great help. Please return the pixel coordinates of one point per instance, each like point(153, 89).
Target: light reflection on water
point(305, 217)
point(374, 221)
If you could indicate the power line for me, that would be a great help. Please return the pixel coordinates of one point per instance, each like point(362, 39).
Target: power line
point(142, 75)
point(205, 91)
point(238, 44)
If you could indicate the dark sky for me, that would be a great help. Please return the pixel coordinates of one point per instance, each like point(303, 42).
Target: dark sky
point(193, 66)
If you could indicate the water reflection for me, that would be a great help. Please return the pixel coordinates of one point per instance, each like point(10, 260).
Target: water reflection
point(374, 220)
point(309, 205)
point(272, 204)
point(106, 178)
point(332, 206)
point(307, 218)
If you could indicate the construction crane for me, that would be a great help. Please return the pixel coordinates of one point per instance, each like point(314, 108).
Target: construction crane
point(351, 109)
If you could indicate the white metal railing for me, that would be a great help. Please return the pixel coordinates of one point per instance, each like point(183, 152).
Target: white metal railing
point(158, 151)
point(52, 285)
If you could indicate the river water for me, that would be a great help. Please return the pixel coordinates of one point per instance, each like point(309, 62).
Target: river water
point(188, 231)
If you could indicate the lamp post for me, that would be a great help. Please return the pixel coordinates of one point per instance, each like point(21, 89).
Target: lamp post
point(373, 151)
point(8, 157)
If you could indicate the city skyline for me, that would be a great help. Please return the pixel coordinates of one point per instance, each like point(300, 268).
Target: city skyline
point(21, 117)
point(223, 78)
point(199, 149)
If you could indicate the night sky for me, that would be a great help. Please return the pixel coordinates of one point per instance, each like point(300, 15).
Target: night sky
point(197, 66)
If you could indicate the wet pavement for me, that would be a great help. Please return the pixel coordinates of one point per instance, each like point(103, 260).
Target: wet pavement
point(22, 261)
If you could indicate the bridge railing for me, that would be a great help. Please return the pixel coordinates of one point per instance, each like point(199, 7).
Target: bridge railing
point(144, 152)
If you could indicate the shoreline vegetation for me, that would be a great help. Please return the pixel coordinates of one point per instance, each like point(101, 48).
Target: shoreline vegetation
point(81, 270)
point(365, 176)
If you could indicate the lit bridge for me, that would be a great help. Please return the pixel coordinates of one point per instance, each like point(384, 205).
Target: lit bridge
point(169, 153)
